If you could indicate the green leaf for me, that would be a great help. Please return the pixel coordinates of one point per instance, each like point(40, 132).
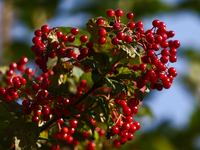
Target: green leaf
point(90, 62)
point(12, 106)
point(131, 51)
point(93, 28)
point(27, 133)
point(88, 77)
point(84, 125)
point(117, 85)
point(28, 136)
point(66, 30)
point(97, 61)
point(106, 110)
point(77, 72)
point(121, 69)
point(96, 75)
point(145, 110)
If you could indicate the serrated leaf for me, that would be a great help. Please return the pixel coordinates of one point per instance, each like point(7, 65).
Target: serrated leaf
point(131, 51)
point(27, 133)
point(117, 85)
point(28, 136)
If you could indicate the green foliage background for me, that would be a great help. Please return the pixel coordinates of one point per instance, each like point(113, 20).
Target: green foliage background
point(36, 13)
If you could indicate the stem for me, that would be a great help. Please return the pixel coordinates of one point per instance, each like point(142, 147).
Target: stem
point(50, 122)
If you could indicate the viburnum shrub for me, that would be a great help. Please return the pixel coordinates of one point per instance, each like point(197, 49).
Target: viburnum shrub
point(86, 84)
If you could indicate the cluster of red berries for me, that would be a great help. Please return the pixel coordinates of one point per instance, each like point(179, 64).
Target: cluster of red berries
point(66, 134)
point(62, 48)
point(41, 103)
point(125, 127)
point(154, 43)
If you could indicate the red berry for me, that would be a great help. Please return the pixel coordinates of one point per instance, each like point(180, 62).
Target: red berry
point(35, 119)
point(45, 110)
point(114, 130)
point(45, 29)
point(116, 26)
point(156, 23)
point(61, 51)
point(137, 124)
point(52, 54)
point(35, 87)
point(74, 31)
point(129, 15)
point(173, 51)
point(83, 38)
point(131, 25)
point(14, 95)
point(139, 24)
point(100, 21)
point(115, 41)
point(91, 146)
point(120, 35)
point(23, 60)
point(2, 91)
point(13, 65)
point(64, 38)
point(17, 84)
point(57, 135)
point(110, 13)
point(73, 123)
point(175, 44)
point(102, 32)
point(116, 143)
point(71, 38)
point(125, 126)
point(37, 112)
point(149, 37)
point(9, 72)
point(170, 34)
point(172, 58)
point(36, 40)
point(161, 29)
point(128, 39)
point(126, 111)
point(83, 83)
point(118, 12)
point(38, 33)
point(55, 44)
point(102, 40)
point(59, 34)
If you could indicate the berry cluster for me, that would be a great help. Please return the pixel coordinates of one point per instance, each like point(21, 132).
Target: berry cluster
point(53, 97)
point(157, 51)
point(123, 118)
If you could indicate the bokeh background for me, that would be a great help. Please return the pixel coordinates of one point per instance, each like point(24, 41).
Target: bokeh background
point(170, 119)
